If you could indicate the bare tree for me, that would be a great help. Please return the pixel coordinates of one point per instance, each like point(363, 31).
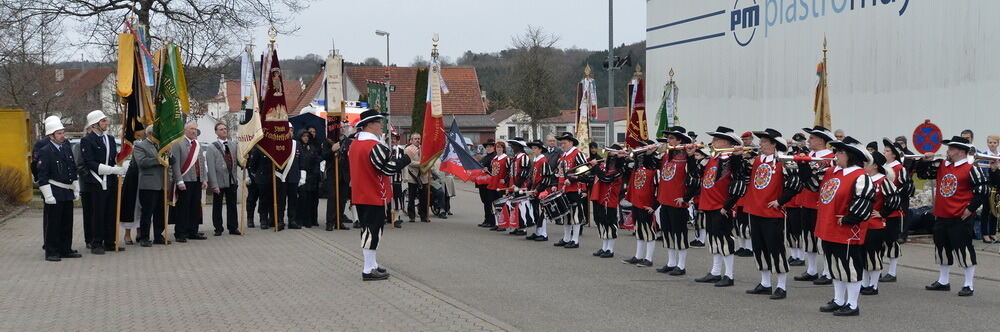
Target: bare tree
point(26, 52)
point(419, 61)
point(534, 83)
point(372, 61)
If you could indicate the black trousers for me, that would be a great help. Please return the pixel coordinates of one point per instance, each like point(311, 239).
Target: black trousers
point(418, 195)
point(85, 198)
point(893, 225)
point(720, 232)
point(292, 201)
point(606, 219)
point(102, 217)
point(988, 222)
point(232, 219)
point(186, 214)
point(150, 213)
point(768, 245)
point(953, 241)
point(673, 224)
point(266, 208)
point(308, 205)
point(845, 261)
point(372, 219)
point(343, 194)
point(253, 194)
point(793, 227)
point(58, 227)
point(484, 196)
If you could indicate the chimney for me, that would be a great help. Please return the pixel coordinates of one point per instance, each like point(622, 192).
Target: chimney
point(60, 75)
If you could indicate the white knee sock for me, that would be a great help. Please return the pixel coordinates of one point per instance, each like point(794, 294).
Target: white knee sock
point(701, 235)
point(739, 243)
point(611, 245)
point(783, 281)
point(576, 233)
point(682, 258)
point(970, 274)
point(671, 257)
point(567, 233)
point(369, 256)
point(853, 291)
point(541, 229)
point(797, 253)
point(765, 278)
point(728, 260)
point(839, 294)
point(716, 265)
point(811, 263)
point(640, 249)
point(650, 247)
point(892, 266)
point(749, 244)
point(873, 278)
point(826, 270)
point(943, 274)
point(864, 278)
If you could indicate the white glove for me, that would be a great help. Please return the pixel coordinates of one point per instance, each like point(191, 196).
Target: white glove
point(76, 190)
point(47, 194)
point(302, 178)
point(103, 169)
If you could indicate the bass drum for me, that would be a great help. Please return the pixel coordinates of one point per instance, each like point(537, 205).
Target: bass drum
point(555, 205)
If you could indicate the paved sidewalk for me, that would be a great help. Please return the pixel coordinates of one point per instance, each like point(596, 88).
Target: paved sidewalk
point(289, 281)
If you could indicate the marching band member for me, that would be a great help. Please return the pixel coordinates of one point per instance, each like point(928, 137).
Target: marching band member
point(894, 221)
point(886, 202)
point(846, 196)
point(574, 188)
point(485, 194)
point(744, 243)
point(716, 197)
point(520, 171)
point(372, 164)
point(641, 193)
point(961, 189)
point(802, 218)
point(605, 195)
point(541, 178)
point(498, 179)
point(678, 181)
point(55, 172)
point(772, 183)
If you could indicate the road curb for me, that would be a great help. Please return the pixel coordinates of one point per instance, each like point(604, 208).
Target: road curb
point(16, 213)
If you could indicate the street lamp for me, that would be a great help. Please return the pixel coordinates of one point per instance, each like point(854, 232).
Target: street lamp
point(388, 87)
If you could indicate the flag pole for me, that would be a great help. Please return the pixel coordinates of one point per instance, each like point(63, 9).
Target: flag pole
point(336, 187)
point(243, 202)
point(166, 209)
point(274, 196)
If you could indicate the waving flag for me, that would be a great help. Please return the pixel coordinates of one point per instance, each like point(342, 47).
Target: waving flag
point(821, 104)
point(250, 130)
point(666, 115)
point(637, 130)
point(170, 104)
point(456, 160)
point(586, 98)
point(277, 140)
point(433, 134)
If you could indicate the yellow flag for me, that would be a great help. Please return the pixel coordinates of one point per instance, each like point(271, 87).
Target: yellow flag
point(126, 64)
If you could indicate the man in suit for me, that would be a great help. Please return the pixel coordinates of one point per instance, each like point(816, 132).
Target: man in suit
point(55, 171)
point(222, 175)
point(150, 190)
point(416, 182)
point(98, 150)
point(188, 170)
point(290, 178)
point(337, 182)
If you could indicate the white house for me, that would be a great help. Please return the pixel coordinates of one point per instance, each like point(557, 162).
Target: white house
point(515, 123)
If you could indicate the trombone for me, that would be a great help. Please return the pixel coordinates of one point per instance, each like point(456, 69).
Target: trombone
point(715, 151)
point(802, 158)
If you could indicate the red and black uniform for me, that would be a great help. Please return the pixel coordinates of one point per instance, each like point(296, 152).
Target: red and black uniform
point(894, 221)
point(539, 180)
point(846, 198)
point(641, 192)
point(372, 164)
point(520, 173)
point(718, 191)
point(885, 202)
point(960, 186)
point(606, 193)
point(572, 186)
point(678, 179)
point(498, 178)
point(768, 180)
point(802, 209)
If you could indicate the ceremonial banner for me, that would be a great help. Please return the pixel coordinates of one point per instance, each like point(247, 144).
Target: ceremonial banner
point(433, 133)
point(456, 160)
point(169, 125)
point(250, 130)
point(277, 140)
point(586, 105)
point(637, 130)
point(130, 103)
point(821, 104)
point(334, 95)
point(666, 115)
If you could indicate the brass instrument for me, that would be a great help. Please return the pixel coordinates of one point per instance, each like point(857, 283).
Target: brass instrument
point(682, 146)
point(983, 156)
point(920, 156)
point(580, 170)
point(802, 158)
point(994, 201)
point(715, 151)
point(610, 150)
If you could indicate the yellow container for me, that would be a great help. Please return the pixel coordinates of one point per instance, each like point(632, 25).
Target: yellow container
point(15, 151)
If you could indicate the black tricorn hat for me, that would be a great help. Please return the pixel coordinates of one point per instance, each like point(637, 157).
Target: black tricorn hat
point(851, 145)
point(896, 149)
point(821, 132)
point(536, 143)
point(678, 132)
point(774, 136)
point(726, 134)
point(369, 116)
point(568, 136)
point(959, 142)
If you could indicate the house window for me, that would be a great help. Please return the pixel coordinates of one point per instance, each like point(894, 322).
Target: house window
point(560, 129)
point(511, 132)
point(598, 134)
point(620, 137)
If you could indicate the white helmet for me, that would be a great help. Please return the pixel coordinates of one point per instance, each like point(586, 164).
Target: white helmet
point(53, 126)
point(94, 117)
point(50, 118)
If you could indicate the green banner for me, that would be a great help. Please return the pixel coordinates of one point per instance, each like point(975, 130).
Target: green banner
point(169, 124)
point(377, 97)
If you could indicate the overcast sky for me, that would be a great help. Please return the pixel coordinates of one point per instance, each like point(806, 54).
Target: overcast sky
point(479, 26)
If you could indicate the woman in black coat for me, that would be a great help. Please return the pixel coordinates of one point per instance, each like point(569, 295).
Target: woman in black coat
point(308, 157)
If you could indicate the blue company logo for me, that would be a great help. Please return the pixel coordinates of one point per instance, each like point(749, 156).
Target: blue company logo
point(745, 19)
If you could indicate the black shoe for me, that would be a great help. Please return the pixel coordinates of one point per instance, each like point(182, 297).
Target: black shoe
point(805, 276)
point(265, 226)
point(235, 233)
point(708, 278)
point(218, 233)
point(70, 255)
point(870, 290)
point(281, 227)
point(397, 224)
point(484, 224)
point(542, 238)
point(676, 272)
point(159, 241)
point(644, 263)
point(887, 278)
point(307, 226)
point(796, 262)
point(250, 224)
point(847, 311)
point(293, 225)
point(145, 243)
point(356, 225)
point(822, 280)
point(375, 275)
point(744, 252)
point(760, 289)
point(380, 269)
point(198, 237)
point(492, 227)
point(52, 258)
point(632, 260)
point(531, 237)
point(97, 250)
point(608, 254)
point(560, 243)
point(726, 281)
point(936, 286)
point(779, 294)
point(501, 229)
point(329, 228)
point(697, 244)
point(599, 253)
point(830, 307)
point(571, 245)
point(180, 239)
point(427, 220)
point(412, 220)
point(966, 291)
point(666, 269)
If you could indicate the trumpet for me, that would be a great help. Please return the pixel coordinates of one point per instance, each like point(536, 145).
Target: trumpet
point(983, 156)
point(716, 151)
point(610, 150)
point(682, 146)
point(802, 158)
point(920, 156)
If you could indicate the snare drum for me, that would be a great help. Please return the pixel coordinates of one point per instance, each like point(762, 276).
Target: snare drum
point(555, 205)
point(499, 204)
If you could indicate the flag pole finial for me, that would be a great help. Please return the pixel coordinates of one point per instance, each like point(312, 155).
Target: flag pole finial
point(586, 71)
point(272, 32)
point(670, 73)
point(434, 44)
point(638, 71)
